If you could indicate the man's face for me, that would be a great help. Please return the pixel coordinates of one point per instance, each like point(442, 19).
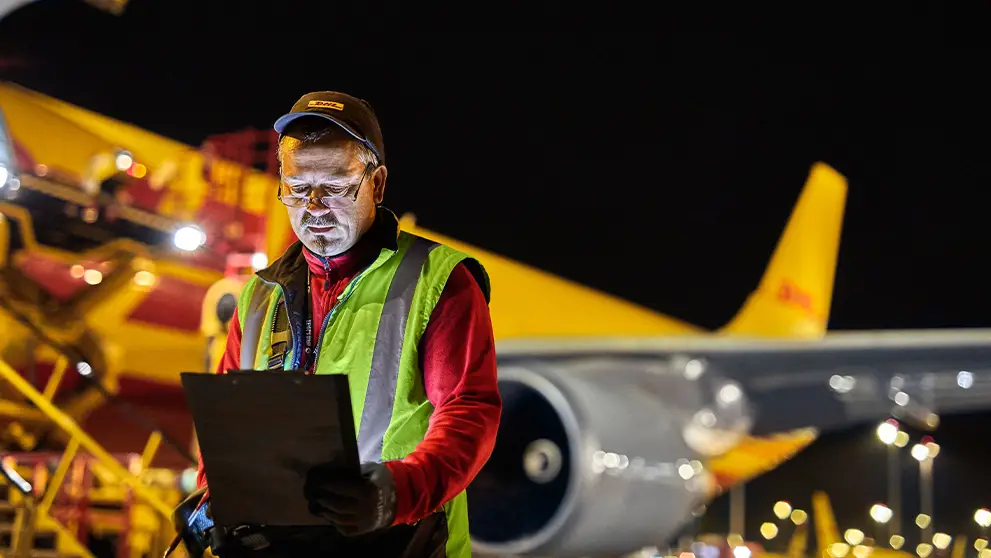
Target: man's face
point(328, 168)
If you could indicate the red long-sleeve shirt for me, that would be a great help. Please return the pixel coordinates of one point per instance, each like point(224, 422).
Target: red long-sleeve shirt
point(457, 357)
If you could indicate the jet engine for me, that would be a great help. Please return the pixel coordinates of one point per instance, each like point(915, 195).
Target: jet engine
point(600, 456)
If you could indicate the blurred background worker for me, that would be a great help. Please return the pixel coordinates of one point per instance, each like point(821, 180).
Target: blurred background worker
point(406, 318)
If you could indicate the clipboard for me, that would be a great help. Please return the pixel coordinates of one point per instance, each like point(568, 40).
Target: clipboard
point(260, 432)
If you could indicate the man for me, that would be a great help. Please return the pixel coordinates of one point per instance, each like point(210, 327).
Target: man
point(407, 319)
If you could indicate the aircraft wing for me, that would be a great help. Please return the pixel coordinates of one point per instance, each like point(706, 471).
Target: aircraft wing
point(839, 381)
point(607, 444)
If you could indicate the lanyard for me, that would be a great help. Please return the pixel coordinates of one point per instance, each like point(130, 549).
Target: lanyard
point(308, 336)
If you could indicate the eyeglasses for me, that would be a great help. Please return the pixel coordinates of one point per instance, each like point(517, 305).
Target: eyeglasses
point(337, 196)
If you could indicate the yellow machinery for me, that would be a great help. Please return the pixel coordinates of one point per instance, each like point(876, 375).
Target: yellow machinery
point(62, 495)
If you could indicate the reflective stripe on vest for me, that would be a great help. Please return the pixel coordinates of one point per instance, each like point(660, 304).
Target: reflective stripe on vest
point(380, 395)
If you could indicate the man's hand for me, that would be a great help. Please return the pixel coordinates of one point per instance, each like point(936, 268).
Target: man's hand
point(354, 507)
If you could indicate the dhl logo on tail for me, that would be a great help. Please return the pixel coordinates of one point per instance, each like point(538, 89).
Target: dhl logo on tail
point(795, 293)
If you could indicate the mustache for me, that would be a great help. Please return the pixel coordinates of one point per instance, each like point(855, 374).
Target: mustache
point(318, 222)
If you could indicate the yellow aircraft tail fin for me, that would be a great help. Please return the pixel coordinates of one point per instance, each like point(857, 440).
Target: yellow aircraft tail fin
point(794, 295)
point(959, 547)
point(799, 542)
point(827, 532)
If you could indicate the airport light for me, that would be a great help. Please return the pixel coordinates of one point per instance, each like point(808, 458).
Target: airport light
point(887, 432)
point(144, 279)
point(983, 517)
point(881, 513)
point(83, 368)
point(894, 437)
point(853, 537)
point(92, 276)
point(924, 452)
point(123, 161)
point(769, 530)
point(189, 238)
point(259, 260)
point(965, 379)
point(942, 541)
point(896, 541)
point(782, 509)
point(839, 550)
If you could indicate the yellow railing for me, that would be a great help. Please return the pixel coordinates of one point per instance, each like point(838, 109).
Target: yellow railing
point(69, 426)
point(106, 466)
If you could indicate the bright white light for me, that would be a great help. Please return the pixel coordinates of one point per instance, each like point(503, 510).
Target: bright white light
point(259, 260)
point(964, 379)
point(842, 384)
point(729, 393)
point(694, 369)
point(983, 517)
point(920, 452)
point(189, 238)
point(887, 433)
point(741, 552)
point(124, 161)
point(4, 173)
point(881, 513)
point(92, 276)
point(84, 368)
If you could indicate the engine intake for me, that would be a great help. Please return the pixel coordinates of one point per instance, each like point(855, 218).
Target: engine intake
point(591, 457)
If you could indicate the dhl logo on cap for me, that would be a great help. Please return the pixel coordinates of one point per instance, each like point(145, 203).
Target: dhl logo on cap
point(325, 104)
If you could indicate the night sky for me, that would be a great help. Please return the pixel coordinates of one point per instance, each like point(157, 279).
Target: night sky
point(604, 158)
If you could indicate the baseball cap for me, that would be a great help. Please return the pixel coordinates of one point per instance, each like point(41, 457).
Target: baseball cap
point(354, 115)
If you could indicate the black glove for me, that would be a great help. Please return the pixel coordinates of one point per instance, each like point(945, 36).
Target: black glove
point(353, 506)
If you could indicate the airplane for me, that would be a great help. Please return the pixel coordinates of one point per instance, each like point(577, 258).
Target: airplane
point(153, 347)
point(153, 233)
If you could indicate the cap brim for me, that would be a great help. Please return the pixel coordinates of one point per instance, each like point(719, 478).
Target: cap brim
point(285, 120)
